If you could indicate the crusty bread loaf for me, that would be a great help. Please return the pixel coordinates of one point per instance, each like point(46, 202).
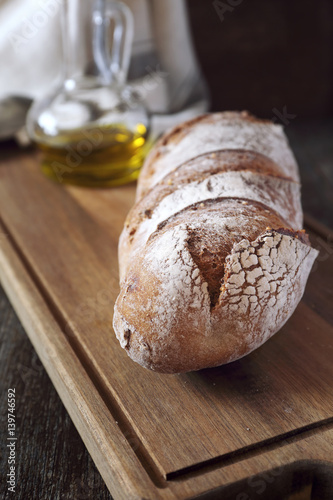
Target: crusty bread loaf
point(213, 259)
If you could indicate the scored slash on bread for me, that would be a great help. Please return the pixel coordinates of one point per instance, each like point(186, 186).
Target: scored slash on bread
point(215, 132)
point(212, 257)
point(228, 174)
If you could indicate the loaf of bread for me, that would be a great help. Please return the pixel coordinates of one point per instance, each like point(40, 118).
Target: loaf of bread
point(213, 259)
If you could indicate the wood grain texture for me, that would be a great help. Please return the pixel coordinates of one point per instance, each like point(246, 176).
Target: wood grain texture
point(51, 458)
point(152, 435)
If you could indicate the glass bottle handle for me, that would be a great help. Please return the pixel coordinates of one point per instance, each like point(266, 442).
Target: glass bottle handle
point(112, 62)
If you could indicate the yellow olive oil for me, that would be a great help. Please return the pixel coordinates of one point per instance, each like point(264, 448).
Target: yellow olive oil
point(101, 156)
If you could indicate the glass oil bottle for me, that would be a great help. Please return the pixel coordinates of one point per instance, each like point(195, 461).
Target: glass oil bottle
point(93, 130)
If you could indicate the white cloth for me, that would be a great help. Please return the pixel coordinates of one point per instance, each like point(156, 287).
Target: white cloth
point(163, 64)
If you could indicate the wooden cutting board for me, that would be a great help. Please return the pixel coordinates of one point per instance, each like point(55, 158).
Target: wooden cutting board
point(156, 436)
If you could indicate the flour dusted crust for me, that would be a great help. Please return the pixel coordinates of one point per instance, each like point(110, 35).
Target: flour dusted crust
point(214, 132)
point(213, 259)
point(248, 182)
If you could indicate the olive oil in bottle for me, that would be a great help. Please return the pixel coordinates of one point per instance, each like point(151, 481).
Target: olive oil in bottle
point(101, 156)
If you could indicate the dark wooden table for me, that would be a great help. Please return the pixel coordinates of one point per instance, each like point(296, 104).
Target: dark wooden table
point(52, 461)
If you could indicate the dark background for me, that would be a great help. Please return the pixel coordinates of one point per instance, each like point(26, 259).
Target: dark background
point(265, 54)
point(260, 55)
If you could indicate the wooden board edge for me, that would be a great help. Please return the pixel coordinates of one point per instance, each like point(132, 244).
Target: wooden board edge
point(120, 468)
point(115, 459)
